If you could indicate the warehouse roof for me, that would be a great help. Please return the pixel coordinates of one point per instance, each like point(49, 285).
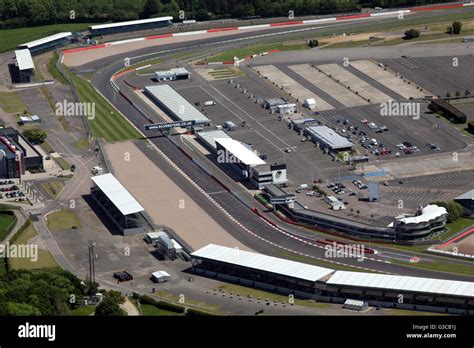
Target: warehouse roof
point(174, 71)
point(262, 262)
point(467, 195)
point(175, 103)
point(240, 151)
point(428, 213)
point(117, 194)
point(329, 136)
point(137, 22)
point(403, 283)
point(46, 40)
point(24, 60)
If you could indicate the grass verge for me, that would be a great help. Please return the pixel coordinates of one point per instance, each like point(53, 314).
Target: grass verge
point(107, 123)
point(53, 70)
point(83, 311)
point(53, 188)
point(44, 260)
point(62, 163)
point(11, 102)
point(7, 222)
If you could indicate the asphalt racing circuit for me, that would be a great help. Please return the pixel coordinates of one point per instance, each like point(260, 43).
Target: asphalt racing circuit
point(234, 213)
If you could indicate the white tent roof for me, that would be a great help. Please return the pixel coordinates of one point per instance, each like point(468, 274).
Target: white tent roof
point(160, 274)
point(393, 282)
point(24, 60)
point(117, 194)
point(123, 24)
point(429, 212)
point(46, 39)
point(240, 151)
point(262, 262)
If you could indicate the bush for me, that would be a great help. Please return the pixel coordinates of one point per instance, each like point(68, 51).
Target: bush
point(148, 300)
point(470, 126)
point(197, 313)
point(313, 43)
point(411, 34)
point(35, 135)
point(170, 307)
point(457, 27)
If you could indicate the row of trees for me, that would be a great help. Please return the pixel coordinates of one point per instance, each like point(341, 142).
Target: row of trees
point(20, 13)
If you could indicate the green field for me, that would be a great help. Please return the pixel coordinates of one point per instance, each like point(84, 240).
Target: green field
point(256, 49)
point(53, 188)
point(83, 311)
point(7, 222)
point(10, 38)
point(45, 259)
point(108, 122)
point(11, 102)
point(63, 220)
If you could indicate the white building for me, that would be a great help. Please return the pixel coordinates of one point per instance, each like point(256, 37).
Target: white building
point(309, 103)
point(160, 276)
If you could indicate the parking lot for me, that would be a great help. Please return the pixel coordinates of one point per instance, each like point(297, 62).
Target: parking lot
point(438, 75)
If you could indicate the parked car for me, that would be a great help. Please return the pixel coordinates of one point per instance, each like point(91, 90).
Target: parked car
point(123, 276)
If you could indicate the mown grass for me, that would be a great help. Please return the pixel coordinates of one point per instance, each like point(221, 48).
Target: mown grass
point(62, 163)
point(53, 188)
point(256, 49)
point(150, 310)
point(63, 220)
point(108, 123)
point(10, 38)
point(7, 221)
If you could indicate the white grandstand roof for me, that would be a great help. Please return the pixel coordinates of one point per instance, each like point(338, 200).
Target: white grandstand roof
point(262, 262)
point(209, 137)
point(240, 151)
point(179, 106)
point(24, 60)
point(402, 283)
point(117, 194)
point(466, 195)
point(122, 24)
point(330, 137)
point(429, 212)
point(46, 39)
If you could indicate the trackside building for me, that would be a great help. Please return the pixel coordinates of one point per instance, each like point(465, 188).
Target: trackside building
point(47, 43)
point(328, 285)
point(126, 214)
point(120, 27)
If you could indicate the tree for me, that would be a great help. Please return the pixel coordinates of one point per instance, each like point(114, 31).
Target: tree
point(152, 7)
point(21, 309)
point(467, 92)
point(109, 306)
point(457, 27)
point(411, 34)
point(313, 43)
point(35, 135)
point(457, 94)
point(453, 208)
point(448, 95)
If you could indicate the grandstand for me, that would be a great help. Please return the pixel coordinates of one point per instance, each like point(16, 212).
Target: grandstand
point(46, 44)
point(118, 204)
point(120, 27)
point(328, 285)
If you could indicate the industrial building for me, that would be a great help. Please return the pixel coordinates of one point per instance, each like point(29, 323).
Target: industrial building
point(328, 138)
point(125, 213)
point(178, 108)
point(172, 74)
point(272, 103)
point(237, 155)
point(309, 103)
point(141, 24)
point(328, 285)
point(17, 154)
point(47, 43)
point(268, 174)
point(208, 138)
point(467, 202)
point(301, 123)
point(428, 221)
point(23, 71)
